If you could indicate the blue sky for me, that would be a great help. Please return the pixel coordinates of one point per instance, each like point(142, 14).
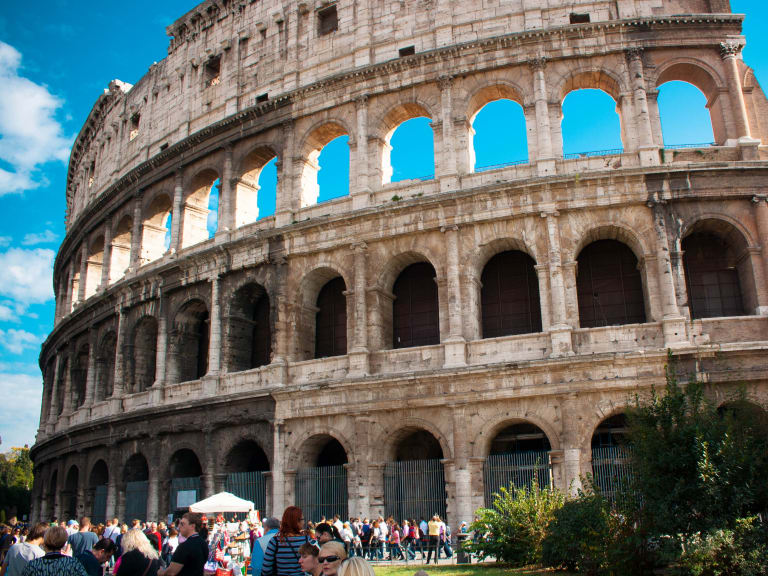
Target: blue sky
point(57, 56)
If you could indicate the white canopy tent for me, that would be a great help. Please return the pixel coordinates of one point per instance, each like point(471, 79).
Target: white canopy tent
point(222, 502)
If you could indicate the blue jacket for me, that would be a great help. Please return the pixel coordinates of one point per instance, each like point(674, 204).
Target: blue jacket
point(257, 554)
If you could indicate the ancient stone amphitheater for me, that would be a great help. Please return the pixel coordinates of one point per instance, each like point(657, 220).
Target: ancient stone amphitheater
point(408, 347)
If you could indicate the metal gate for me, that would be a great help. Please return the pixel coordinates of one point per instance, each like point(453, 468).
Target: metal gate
point(136, 500)
point(250, 486)
point(611, 470)
point(322, 492)
point(99, 511)
point(515, 469)
point(182, 492)
point(414, 489)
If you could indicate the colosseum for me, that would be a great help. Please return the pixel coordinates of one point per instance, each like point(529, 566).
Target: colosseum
point(407, 347)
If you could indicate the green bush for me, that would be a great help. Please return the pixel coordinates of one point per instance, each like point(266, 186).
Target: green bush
point(742, 551)
point(513, 529)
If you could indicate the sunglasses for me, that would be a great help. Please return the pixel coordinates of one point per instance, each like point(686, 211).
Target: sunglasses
point(327, 559)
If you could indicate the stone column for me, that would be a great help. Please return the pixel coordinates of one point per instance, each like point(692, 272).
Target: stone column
point(83, 271)
point(545, 161)
point(729, 52)
point(570, 457)
point(178, 198)
point(445, 165)
point(761, 260)
point(71, 294)
point(136, 233)
point(90, 380)
point(162, 345)
point(112, 491)
point(67, 408)
point(358, 355)
point(542, 273)
point(53, 408)
point(454, 344)
point(560, 330)
point(362, 448)
point(649, 155)
point(461, 471)
point(106, 260)
point(227, 199)
point(359, 186)
point(214, 348)
point(153, 494)
point(121, 343)
point(673, 322)
point(283, 327)
point(285, 203)
point(209, 468)
point(278, 469)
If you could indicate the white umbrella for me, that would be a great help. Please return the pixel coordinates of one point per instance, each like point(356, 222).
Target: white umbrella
point(222, 502)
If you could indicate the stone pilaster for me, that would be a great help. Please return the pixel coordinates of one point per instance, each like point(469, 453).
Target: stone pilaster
point(446, 166)
point(454, 344)
point(178, 199)
point(358, 355)
point(287, 183)
point(83, 271)
point(90, 381)
point(359, 185)
point(545, 161)
point(729, 52)
point(760, 261)
point(278, 476)
point(227, 198)
point(136, 231)
point(560, 329)
point(647, 149)
point(106, 260)
point(461, 472)
point(214, 348)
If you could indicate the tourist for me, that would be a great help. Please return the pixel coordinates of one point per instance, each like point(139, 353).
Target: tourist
point(308, 559)
point(54, 562)
point(93, 560)
point(139, 558)
point(272, 526)
point(72, 527)
point(433, 528)
point(6, 541)
point(21, 553)
point(281, 556)
point(355, 567)
point(83, 539)
point(191, 555)
point(170, 545)
point(331, 555)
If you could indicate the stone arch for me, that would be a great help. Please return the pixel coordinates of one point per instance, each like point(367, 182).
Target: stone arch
point(484, 252)
point(189, 339)
point(717, 262)
point(391, 120)
point(495, 425)
point(249, 328)
point(53, 490)
point(96, 498)
point(603, 411)
point(61, 384)
point(194, 220)
point(143, 355)
point(608, 428)
point(75, 283)
point(315, 139)
point(136, 468)
point(94, 265)
point(597, 78)
point(105, 366)
point(99, 473)
point(399, 262)
point(184, 463)
point(79, 375)
point(157, 213)
point(389, 442)
point(322, 446)
point(310, 286)
point(70, 502)
point(609, 231)
point(746, 409)
point(135, 482)
point(247, 455)
point(247, 187)
point(120, 258)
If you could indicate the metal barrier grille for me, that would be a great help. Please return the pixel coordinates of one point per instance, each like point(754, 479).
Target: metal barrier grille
point(250, 486)
point(136, 500)
point(322, 492)
point(184, 485)
point(414, 489)
point(99, 512)
point(515, 469)
point(611, 470)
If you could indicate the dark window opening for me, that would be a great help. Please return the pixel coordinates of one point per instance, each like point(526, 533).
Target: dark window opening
point(327, 20)
point(510, 295)
point(134, 130)
point(213, 71)
point(415, 315)
point(522, 437)
point(611, 432)
point(262, 98)
point(332, 454)
point(579, 18)
point(419, 445)
point(163, 146)
point(713, 283)
point(407, 51)
point(331, 320)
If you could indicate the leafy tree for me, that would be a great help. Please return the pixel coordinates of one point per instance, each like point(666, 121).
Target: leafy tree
point(16, 480)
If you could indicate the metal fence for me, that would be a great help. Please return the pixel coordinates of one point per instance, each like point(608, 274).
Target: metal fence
point(593, 153)
point(250, 486)
point(516, 469)
point(322, 492)
point(414, 489)
point(184, 486)
point(99, 511)
point(684, 146)
point(501, 165)
point(136, 500)
point(611, 470)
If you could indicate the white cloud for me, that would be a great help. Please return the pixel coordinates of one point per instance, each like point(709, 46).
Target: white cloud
point(30, 135)
point(43, 238)
point(19, 419)
point(8, 312)
point(16, 341)
point(27, 275)
point(5, 240)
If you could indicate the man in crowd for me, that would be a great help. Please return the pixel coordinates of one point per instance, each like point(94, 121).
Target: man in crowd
point(84, 539)
point(271, 525)
point(22, 553)
point(191, 555)
point(112, 529)
point(93, 560)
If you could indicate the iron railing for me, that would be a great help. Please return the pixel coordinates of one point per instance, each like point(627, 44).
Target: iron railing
point(136, 500)
point(99, 507)
point(612, 470)
point(684, 146)
point(322, 491)
point(414, 489)
point(249, 486)
point(593, 153)
point(501, 165)
point(184, 485)
point(517, 470)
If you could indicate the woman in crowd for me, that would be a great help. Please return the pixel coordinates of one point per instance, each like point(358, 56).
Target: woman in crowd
point(281, 557)
point(331, 556)
point(356, 566)
point(308, 559)
point(54, 563)
point(140, 557)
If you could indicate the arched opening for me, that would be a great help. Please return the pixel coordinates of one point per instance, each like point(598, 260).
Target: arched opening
point(718, 271)
point(685, 119)
point(70, 503)
point(250, 333)
point(200, 214)
point(256, 189)
point(144, 354)
point(245, 465)
point(136, 478)
point(185, 472)
point(611, 467)
point(53, 487)
point(414, 482)
point(79, 376)
point(94, 266)
point(415, 309)
point(75, 298)
point(105, 367)
point(409, 151)
point(518, 456)
point(751, 415)
point(190, 338)
point(120, 258)
point(331, 320)
point(49, 382)
point(321, 479)
point(326, 148)
point(609, 285)
point(510, 295)
point(97, 492)
point(61, 384)
point(591, 124)
point(498, 136)
point(157, 226)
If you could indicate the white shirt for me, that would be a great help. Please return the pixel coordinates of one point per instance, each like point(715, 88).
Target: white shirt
point(19, 555)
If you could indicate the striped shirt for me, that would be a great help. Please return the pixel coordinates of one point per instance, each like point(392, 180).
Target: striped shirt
point(282, 556)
